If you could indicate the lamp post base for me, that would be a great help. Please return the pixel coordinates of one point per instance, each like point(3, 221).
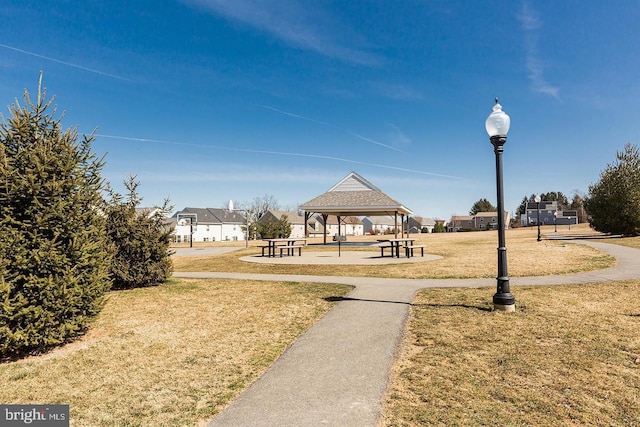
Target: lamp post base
point(504, 301)
point(508, 308)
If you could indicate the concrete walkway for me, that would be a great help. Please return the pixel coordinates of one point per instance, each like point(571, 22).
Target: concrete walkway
point(336, 373)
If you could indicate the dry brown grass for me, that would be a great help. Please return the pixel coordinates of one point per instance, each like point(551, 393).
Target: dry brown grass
point(169, 355)
point(465, 255)
point(632, 242)
point(178, 353)
point(569, 355)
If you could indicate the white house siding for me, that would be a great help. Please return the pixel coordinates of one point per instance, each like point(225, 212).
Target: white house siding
point(297, 231)
point(211, 230)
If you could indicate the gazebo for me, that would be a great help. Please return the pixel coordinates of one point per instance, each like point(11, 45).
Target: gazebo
point(354, 196)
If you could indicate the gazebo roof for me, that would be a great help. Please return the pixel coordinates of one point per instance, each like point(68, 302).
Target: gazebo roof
point(354, 195)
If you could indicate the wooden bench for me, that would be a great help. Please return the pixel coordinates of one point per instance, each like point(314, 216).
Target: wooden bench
point(264, 247)
point(409, 250)
point(290, 249)
point(387, 246)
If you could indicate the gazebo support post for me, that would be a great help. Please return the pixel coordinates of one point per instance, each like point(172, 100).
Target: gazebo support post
point(395, 223)
point(324, 220)
point(307, 215)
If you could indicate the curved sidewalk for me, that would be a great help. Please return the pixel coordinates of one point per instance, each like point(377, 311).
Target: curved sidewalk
point(336, 373)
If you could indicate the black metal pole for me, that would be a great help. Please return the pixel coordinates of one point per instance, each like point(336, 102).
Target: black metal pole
point(503, 299)
point(246, 230)
point(538, 220)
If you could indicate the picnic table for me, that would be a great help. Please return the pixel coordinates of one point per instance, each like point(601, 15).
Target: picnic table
point(395, 244)
point(283, 243)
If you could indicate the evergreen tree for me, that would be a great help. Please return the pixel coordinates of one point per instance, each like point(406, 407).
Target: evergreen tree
point(482, 205)
point(140, 238)
point(439, 228)
point(53, 250)
point(613, 203)
point(273, 229)
point(522, 208)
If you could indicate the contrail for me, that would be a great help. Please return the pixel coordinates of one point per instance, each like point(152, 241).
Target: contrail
point(278, 153)
point(294, 115)
point(80, 67)
point(297, 116)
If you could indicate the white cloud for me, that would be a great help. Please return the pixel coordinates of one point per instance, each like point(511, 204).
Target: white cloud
point(399, 92)
point(398, 138)
point(531, 23)
point(294, 23)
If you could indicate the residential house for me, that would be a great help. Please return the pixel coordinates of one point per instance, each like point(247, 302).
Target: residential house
point(461, 222)
point(547, 213)
point(417, 224)
point(379, 225)
point(208, 225)
point(349, 226)
point(488, 220)
point(479, 221)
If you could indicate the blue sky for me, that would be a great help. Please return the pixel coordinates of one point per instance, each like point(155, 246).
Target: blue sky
point(211, 100)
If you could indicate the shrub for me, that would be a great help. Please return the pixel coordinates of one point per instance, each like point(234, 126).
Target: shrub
point(140, 239)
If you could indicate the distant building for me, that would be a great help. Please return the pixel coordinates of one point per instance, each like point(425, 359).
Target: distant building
point(480, 221)
point(548, 214)
point(208, 225)
point(417, 224)
point(379, 225)
point(349, 226)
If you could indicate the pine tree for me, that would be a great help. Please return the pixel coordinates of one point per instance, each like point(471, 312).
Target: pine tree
point(482, 205)
point(613, 203)
point(140, 238)
point(53, 248)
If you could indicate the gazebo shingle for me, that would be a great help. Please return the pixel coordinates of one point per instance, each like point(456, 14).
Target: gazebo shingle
point(355, 195)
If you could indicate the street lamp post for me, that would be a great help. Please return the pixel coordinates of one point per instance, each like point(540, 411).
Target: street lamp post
point(230, 208)
point(537, 200)
point(497, 125)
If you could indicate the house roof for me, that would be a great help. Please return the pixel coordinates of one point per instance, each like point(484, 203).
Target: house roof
point(486, 214)
point(212, 215)
point(292, 217)
point(354, 195)
point(462, 218)
point(381, 220)
point(427, 221)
